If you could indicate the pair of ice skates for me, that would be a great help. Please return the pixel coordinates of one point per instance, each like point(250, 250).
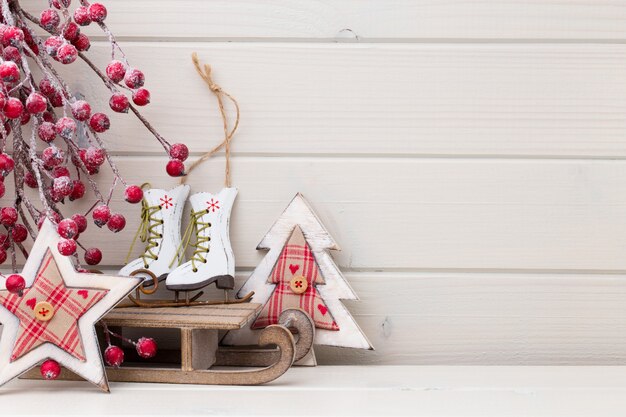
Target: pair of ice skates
point(212, 259)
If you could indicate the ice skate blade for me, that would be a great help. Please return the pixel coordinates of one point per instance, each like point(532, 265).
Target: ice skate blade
point(186, 303)
point(223, 282)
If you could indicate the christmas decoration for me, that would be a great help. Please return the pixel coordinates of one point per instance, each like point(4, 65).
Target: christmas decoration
point(51, 318)
point(298, 271)
point(32, 92)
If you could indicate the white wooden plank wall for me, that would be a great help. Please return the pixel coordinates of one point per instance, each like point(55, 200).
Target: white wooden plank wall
point(469, 157)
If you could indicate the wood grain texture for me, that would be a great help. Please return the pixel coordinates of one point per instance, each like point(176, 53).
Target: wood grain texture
point(365, 20)
point(395, 100)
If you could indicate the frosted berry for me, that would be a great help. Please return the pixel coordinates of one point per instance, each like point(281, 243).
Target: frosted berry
point(3, 256)
point(36, 103)
point(67, 54)
point(81, 222)
point(134, 78)
point(13, 108)
point(94, 156)
point(67, 247)
point(67, 228)
point(11, 53)
point(116, 71)
point(82, 43)
point(19, 233)
point(78, 191)
point(50, 19)
point(175, 168)
point(8, 216)
point(81, 110)
point(6, 164)
point(46, 88)
point(9, 72)
point(81, 16)
point(30, 180)
point(47, 132)
point(101, 215)
point(146, 347)
point(60, 171)
point(50, 370)
point(12, 36)
point(61, 4)
point(141, 97)
point(119, 103)
point(66, 127)
point(179, 151)
point(93, 256)
point(116, 223)
point(100, 122)
point(63, 186)
point(71, 31)
point(15, 284)
point(25, 118)
point(133, 194)
point(97, 12)
point(49, 117)
point(114, 356)
point(57, 100)
point(52, 45)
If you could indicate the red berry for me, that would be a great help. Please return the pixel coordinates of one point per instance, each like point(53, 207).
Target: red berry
point(67, 54)
point(2, 189)
point(133, 194)
point(141, 97)
point(30, 180)
point(66, 247)
point(95, 156)
point(66, 127)
point(25, 118)
point(100, 122)
point(119, 103)
point(50, 370)
point(19, 233)
point(57, 100)
point(134, 78)
point(60, 171)
point(3, 99)
point(4, 241)
point(175, 168)
point(46, 88)
point(36, 103)
point(71, 31)
point(97, 12)
point(13, 108)
point(8, 216)
point(116, 71)
point(114, 356)
point(93, 256)
point(116, 223)
point(81, 222)
point(82, 42)
point(81, 110)
point(11, 53)
point(52, 45)
point(81, 16)
point(6, 164)
point(30, 42)
point(3, 256)
point(67, 228)
point(101, 215)
point(15, 284)
point(179, 151)
point(146, 347)
point(63, 186)
point(12, 36)
point(9, 72)
point(47, 132)
point(50, 19)
point(60, 4)
point(78, 191)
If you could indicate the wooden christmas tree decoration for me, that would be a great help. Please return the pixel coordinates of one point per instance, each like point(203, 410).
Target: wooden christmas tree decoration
point(299, 272)
point(53, 317)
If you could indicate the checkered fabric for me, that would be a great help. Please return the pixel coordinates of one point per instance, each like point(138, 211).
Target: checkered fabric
point(296, 259)
point(69, 305)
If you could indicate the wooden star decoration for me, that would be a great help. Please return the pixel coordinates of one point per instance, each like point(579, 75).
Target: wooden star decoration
point(56, 315)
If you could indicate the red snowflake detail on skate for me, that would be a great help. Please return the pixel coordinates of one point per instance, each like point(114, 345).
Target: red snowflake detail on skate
point(166, 202)
point(213, 205)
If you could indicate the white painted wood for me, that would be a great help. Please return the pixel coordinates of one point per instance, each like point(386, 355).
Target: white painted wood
point(396, 100)
point(349, 391)
point(367, 20)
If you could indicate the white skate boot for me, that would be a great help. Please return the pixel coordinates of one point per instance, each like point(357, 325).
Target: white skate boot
point(161, 215)
point(212, 259)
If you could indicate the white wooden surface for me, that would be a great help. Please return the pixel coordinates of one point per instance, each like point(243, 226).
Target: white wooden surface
point(346, 391)
point(469, 158)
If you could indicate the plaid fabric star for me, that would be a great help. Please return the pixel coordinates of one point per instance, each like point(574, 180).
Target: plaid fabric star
point(296, 260)
point(68, 304)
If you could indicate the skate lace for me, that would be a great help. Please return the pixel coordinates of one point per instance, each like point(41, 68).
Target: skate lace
point(147, 233)
point(197, 226)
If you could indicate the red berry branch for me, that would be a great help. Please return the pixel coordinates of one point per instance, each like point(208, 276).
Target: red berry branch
point(64, 169)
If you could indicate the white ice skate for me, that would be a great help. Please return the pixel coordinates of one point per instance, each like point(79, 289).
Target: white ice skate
point(212, 259)
point(161, 215)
